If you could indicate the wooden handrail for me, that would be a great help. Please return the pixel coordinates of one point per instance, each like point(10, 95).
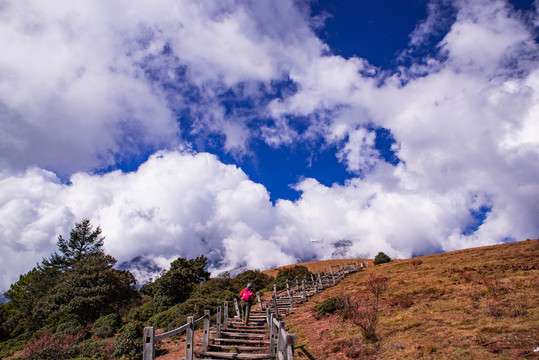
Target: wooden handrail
point(281, 342)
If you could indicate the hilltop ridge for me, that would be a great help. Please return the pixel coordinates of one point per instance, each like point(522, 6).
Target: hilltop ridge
point(480, 303)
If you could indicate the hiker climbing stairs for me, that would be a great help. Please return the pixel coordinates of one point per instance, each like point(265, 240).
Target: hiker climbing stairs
point(240, 341)
point(264, 337)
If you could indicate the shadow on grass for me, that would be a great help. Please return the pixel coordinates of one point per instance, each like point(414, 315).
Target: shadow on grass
point(305, 352)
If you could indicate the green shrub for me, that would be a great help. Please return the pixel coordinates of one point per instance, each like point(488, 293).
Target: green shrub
point(106, 326)
point(128, 343)
point(92, 349)
point(145, 311)
point(381, 258)
point(69, 324)
point(255, 277)
point(326, 307)
point(7, 348)
point(290, 274)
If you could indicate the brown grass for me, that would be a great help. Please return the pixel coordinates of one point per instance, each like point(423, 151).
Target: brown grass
point(315, 266)
point(480, 303)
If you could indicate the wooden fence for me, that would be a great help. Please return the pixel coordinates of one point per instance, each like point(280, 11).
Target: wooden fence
point(281, 342)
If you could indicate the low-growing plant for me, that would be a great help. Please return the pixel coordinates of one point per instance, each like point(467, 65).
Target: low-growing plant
point(145, 311)
point(416, 262)
point(291, 273)
point(403, 301)
point(9, 347)
point(326, 307)
point(95, 350)
point(128, 343)
point(106, 326)
point(47, 346)
point(70, 324)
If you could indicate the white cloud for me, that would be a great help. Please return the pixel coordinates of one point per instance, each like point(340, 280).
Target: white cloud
point(173, 205)
point(78, 88)
point(84, 85)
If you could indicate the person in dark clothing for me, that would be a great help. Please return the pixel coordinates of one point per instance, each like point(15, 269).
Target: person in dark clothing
point(247, 296)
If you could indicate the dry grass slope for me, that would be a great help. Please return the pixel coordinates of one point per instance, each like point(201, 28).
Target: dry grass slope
point(480, 303)
point(315, 266)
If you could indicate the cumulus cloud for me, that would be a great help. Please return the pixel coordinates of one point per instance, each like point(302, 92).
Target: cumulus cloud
point(175, 204)
point(83, 87)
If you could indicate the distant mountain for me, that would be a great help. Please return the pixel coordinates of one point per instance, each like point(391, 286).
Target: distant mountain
point(143, 268)
point(234, 272)
point(341, 249)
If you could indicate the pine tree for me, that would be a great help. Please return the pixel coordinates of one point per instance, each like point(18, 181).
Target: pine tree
point(83, 241)
point(381, 258)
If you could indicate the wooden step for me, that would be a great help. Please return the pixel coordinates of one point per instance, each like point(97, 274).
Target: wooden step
point(224, 355)
point(248, 327)
point(239, 341)
point(246, 330)
point(243, 335)
point(239, 348)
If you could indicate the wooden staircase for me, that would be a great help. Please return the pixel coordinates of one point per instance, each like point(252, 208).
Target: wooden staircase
point(265, 337)
point(239, 341)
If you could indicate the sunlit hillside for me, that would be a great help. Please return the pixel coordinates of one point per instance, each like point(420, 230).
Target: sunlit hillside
point(480, 303)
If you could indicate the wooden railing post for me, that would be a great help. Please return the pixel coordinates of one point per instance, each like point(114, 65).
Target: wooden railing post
point(238, 314)
point(297, 284)
point(289, 294)
point(225, 313)
point(259, 300)
point(276, 310)
point(148, 347)
point(304, 290)
point(290, 345)
point(268, 314)
point(189, 338)
point(275, 289)
point(312, 279)
point(272, 334)
point(206, 334)
point(219, 317)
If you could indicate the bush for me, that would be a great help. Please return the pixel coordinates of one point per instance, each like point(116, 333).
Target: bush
point(70, 324)
point(326, 307)
point(362, 310)
point(290, 274)
point(381, 258)
point(106, 326)
point(95, 350)
point(128, 343)
point(255, 277)
point(47, 346)
point(7, 348)
point(145, 311)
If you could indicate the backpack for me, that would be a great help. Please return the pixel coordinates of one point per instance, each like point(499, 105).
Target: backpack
point(246, 295)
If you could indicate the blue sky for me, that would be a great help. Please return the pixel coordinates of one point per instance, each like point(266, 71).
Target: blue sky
point(240, 129)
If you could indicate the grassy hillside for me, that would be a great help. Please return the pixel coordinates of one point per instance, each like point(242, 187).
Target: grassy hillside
point(480, 303)
point(315, 266)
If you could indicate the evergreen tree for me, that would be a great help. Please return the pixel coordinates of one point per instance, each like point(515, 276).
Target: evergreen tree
point(381, 258)
point(83, 241)
point(176, 285)
point(76, 281)
point(92, 288)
